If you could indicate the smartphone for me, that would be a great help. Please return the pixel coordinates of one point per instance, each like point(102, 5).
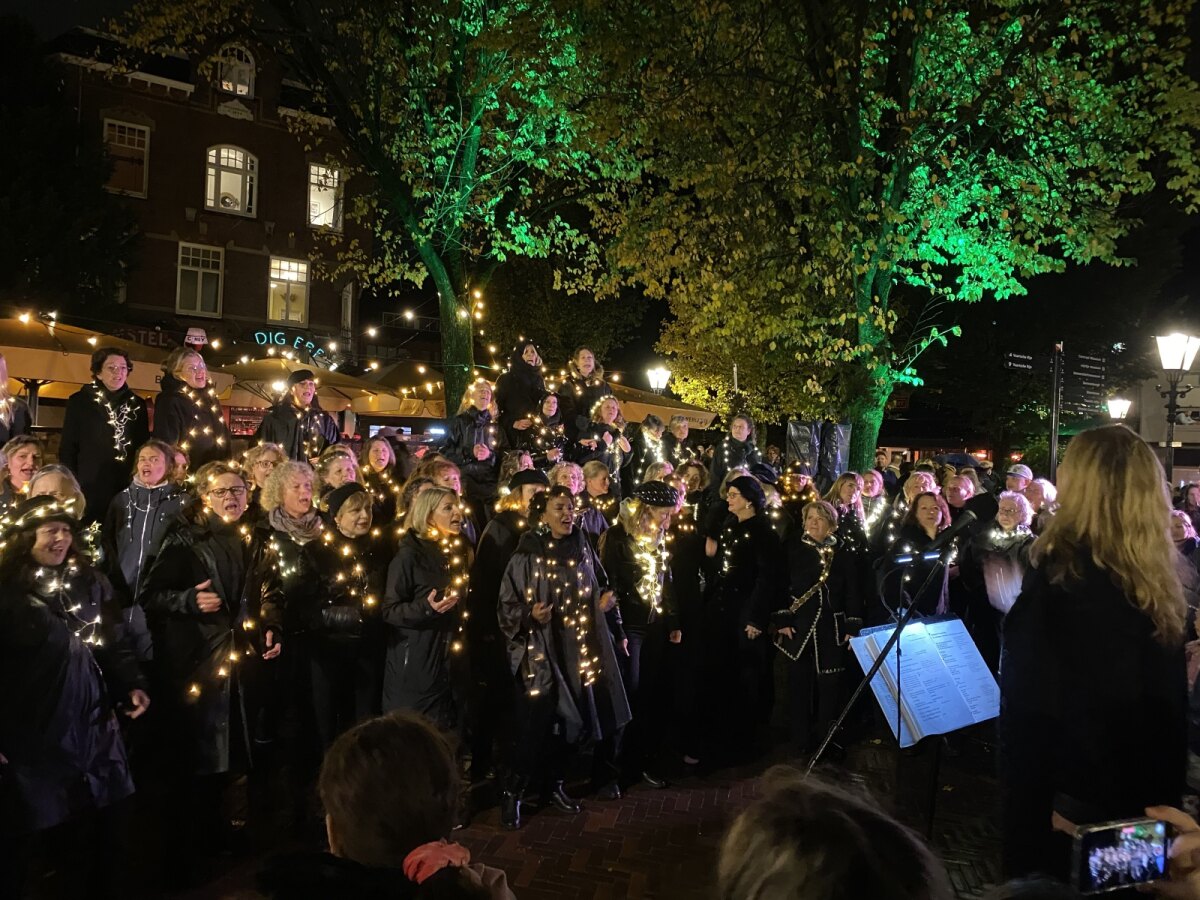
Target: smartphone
point(1115, 855)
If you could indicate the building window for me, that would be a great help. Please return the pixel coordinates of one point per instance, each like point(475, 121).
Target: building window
point(287, 299)
point(324, 197)
point(129, 149)
point(235, 72)
point(230, 181)
point(199, 288)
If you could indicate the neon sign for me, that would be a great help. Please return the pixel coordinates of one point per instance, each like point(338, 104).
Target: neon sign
point(283, 339)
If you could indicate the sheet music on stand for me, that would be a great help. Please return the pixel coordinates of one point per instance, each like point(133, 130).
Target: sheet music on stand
point(944, 683)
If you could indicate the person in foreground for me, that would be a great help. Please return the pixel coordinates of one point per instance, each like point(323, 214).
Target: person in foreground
point(389, 788)
point(806, 839)
point(1093, 716)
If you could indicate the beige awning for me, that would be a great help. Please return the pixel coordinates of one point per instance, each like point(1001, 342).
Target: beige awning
point(637, 404)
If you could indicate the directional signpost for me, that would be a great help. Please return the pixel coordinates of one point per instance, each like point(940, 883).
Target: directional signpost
point(1077, 386)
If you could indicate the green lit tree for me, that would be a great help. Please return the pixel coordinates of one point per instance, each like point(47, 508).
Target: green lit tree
point(447, 109)
point(827, 179)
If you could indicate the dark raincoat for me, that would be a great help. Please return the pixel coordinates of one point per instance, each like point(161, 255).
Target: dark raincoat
point(100, 453)
point(191, 419)
point(302, 433)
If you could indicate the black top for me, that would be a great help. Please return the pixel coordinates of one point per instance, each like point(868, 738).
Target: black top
point(751, 569)
point(21, 422)
point(629, 571)
point(192, 420)
point(302, 433)
point(102, 431)
point(1093, 717)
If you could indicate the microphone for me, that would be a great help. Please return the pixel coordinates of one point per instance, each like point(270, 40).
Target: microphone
point(965, 520)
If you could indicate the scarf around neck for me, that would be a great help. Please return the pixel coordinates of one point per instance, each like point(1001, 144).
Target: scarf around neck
point(301, 530)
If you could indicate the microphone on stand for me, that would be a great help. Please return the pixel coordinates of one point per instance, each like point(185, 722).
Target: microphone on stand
point(965, 520)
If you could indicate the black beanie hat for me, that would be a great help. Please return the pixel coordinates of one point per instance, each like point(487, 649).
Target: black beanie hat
point(764, 473)
point(656, 493)
point(300, 375)
point(749, 488)
point(528, 476)
point(340, 495)
point(39, 510)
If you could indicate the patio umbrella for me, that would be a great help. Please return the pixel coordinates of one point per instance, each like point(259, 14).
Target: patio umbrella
point(416, 391)
point(262, 381)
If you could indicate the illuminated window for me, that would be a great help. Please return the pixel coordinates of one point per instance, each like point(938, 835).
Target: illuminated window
point(230, 179)
point(198, 290)
point(235, 72)
point(287, 299)
point(129, 149)
point(324, 197)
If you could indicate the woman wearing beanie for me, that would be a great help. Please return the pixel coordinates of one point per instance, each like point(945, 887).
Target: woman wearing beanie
point(297, 423)
point(342, 578)
point(750, 580)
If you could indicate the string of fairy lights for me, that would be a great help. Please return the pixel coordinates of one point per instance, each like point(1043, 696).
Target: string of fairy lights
point(568, 585)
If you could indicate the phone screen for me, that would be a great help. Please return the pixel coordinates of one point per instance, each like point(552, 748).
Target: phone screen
point(1120, 854)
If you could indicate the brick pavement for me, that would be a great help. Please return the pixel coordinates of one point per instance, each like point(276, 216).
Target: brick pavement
point(662, 844)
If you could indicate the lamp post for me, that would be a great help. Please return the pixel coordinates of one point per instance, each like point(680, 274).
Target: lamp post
point(658, 378)
point(1118, 408)
point(1176, 352)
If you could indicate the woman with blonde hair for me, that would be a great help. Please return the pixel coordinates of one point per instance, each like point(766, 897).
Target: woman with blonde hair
point(604, 441)
point(15, 417)
point(22, 458)
point(1093, 723)
point(471, 443)
point(188, 413)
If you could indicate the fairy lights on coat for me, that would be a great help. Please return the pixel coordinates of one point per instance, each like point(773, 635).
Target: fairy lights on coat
point(55, 584)
point(653, 560)
point(200, 399)
point(119, 418)
point(566, 584)
point(456, 563)
point(351, 576)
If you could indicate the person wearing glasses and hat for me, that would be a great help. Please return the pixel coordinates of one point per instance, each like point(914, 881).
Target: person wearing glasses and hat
point(297, 423)
point(65, 671)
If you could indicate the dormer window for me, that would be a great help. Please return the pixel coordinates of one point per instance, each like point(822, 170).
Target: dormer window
point(235, 72)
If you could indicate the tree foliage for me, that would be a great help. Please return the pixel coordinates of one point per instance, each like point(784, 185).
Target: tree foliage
point(65, 242)
point(447, 108)
point(825, 179)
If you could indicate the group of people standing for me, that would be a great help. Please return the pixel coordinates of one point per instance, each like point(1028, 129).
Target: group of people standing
point(545, 578)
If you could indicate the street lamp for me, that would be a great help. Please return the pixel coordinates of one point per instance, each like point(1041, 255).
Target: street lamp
point(1118, 408)
point(658, 377)
point(1176, 352)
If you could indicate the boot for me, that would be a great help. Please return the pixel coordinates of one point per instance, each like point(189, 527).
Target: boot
point(559, 799)
point(510, 802)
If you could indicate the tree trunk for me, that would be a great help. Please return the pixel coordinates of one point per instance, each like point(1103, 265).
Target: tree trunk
point(458, 348)
point(865, 413)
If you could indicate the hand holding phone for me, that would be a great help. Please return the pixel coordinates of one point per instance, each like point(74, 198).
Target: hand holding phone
point(1113, 856)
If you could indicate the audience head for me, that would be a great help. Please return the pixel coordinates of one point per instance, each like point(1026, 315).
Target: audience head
point(59, 482)
point(959, 490)
point(1013, 511)
point(806, 839)
point(568, 475)
point(1121, 528)
point(1041, 493)
point(23, 457)
point(1182, 527)
point(1017, 478)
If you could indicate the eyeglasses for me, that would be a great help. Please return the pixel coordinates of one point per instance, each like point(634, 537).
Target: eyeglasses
point(222, 493)
point(266, 464)
point(194, 370)
point(1009, 510)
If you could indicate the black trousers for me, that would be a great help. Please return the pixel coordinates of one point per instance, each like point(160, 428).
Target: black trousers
point(813, 700)
point(540, 747)
point(491, 703)
point(345, 679)
point(644, 672)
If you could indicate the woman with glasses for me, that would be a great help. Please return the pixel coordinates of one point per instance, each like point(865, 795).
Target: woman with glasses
point(187, 413)
point(257, 465)
point(105, 423)
point(213, 601)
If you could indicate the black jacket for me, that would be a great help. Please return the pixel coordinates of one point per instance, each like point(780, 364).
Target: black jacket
point(931, 596)
point(302, 433)
point(550, 658)
point(752, 571)
point(193, 650)
point(191, 420)
point(322, 876)
point(729, 454)
point(519, 393)
point(339, 590)
point(60, 678)
point(470, 427)
point(610, 454)
point(676, 452)
point(386, 489)
point(626, 568)
point(22, 421)
point(99, 450)
point(417, 670)
point(1093, 715)
point(578, 396)
point(496, 547)
point(644, 451)
point(823, 604)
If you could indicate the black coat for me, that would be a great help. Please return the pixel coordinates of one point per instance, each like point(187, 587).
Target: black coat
point(626, 573)
point(550, 658)
point(1093, 715)
point(519, 393)
point(578, 397)
point(417, 669)
point(339, 590)
point(676, 452)
point(729, 454)
point(99, 452)
point(823, 604)
point(470, 427)
point(752, 572)
point(386, 490)
point(193, 650)
point(496, 547)
point(22, 421)
point(60, 679)
point(645, 451)
point(931, 597)
point(302, 433)
point(192, 420)
point(610, 454)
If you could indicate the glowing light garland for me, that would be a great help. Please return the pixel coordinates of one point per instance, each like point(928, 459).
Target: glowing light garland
point(571, 592)
point(119, 419)
point(199, 399)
